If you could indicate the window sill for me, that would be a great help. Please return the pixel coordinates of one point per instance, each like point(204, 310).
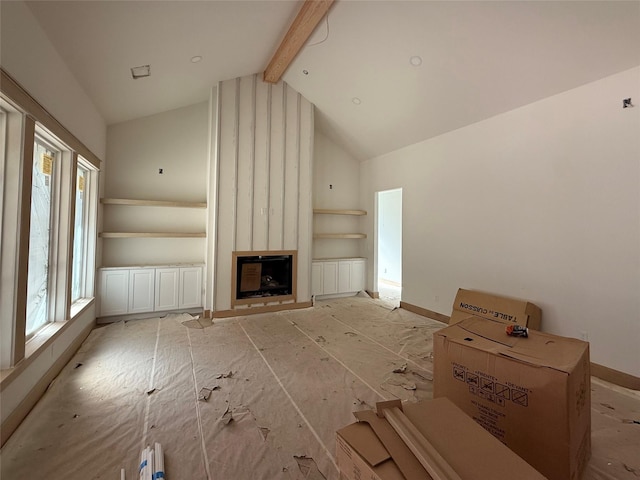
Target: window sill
point(42, 340)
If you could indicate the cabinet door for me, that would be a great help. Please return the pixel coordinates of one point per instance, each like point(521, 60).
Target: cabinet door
point(167, 287)
point(329, 277)
point(357, 275)
point(114, 292)
point(190, 287)
point(141, 288)
point(316, 278)
point(344, 276)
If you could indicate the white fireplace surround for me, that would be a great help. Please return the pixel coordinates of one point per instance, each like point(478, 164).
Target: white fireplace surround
point(260, 193)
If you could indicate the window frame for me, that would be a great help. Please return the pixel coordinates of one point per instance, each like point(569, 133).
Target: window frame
point(56, 234)
point(23, 118)
point(89, 221)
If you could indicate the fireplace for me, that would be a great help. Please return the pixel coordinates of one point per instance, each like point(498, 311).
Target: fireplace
point(263, 277)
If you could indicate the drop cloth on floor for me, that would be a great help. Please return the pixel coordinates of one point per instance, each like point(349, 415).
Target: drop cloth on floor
point(278, 386)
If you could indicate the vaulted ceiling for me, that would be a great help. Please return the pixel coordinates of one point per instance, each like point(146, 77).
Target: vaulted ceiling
point(473, 59)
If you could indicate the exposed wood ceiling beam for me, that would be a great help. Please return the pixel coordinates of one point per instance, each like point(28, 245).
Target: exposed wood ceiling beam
point(301, 29)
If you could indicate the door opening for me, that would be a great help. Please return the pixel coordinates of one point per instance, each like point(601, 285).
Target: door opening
point(389, 245)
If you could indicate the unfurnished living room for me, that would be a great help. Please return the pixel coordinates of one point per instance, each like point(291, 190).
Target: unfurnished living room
point(320, 239)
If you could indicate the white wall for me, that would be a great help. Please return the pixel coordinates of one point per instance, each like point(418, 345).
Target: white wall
point(336, 185)
point(263, 172)
point(540, 203)
point(177, 142)
point(28, 56)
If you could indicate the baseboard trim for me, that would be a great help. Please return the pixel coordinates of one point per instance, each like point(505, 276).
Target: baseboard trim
point(616, 377)
point(373, 294)
point(22, 410)
point(604, 373)
point(425, 312)
point(241, 312)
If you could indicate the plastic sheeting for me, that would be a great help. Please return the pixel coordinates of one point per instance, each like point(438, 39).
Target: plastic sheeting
point(256, 397)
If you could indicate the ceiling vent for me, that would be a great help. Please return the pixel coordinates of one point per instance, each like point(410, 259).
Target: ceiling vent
point(141, 71)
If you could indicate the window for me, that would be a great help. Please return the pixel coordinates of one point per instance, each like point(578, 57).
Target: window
point(3, 148)
point(83, 228)
point(79, 235)
point(48, 207)
point(38, 283)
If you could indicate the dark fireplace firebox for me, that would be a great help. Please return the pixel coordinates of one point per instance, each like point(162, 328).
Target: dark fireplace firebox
point(263, 277)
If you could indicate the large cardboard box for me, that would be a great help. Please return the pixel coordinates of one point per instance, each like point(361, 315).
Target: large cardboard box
point(472, 452)
point(494, 307)
point(531, 393)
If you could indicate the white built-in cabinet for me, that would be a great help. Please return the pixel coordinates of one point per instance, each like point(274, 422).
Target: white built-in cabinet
point(114, 291)
point(132, 290)
point(337, 276)
point(190, 287)
point(167, 280)
point(141, 285)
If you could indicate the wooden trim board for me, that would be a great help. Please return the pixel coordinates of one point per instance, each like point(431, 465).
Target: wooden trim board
point(151, 203)
point(616, 377)
point(23, 247)
point(263, 253)
point(340, 235)
point(425, 312)
point(420, 446)
point(301, 29)
point(241, 312)
point(328, 211)
point(152, 234)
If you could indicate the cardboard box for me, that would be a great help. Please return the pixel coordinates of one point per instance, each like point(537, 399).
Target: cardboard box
point(472, 452)
point(494, 307)
point(531, 393)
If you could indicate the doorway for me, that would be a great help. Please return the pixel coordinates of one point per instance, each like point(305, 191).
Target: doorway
point(389, 245)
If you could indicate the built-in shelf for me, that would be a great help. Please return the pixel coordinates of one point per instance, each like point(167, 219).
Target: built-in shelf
point(152, 234)
point(334, 211)
point(327, 211)
point(340, 235)
point(335, 259)
point(152, 203)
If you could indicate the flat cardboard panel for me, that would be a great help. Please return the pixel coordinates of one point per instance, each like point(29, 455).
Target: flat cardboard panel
point(472, 452)
point(250, 277)
point(369, 447)
point(354, 467)
point(494, 307)
point(531, 393)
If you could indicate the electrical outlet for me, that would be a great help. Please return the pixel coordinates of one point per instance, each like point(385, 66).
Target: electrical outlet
point(437, 298)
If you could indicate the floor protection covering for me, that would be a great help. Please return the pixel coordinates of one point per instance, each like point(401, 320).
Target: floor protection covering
point(257, 397)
